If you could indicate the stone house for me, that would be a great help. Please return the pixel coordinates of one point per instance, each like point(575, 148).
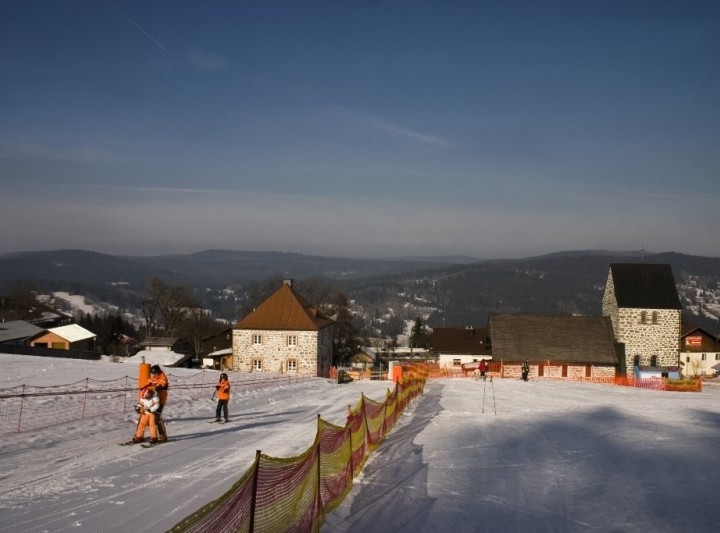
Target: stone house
point(642, 302)
point(699, 352)
point(564, 346)
point(284, 334)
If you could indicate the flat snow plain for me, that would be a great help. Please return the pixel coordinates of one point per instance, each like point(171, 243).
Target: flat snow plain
point(467, 456)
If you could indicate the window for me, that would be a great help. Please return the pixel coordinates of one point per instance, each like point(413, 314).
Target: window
point(257, 364)
point(653, 360)
point(717, 356)
point(292, 365)
point(292, 340)
point(456, 362)
point(704, 357)
point(636, 360)
point(257, 340)
point(643, 317)
point(654, 317)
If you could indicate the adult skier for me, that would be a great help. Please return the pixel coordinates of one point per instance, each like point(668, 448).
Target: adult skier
point(525, 369)
point(159, 381)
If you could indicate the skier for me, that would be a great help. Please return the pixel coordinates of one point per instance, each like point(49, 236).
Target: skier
point(223, 395)
point(525, 370)
point(482, 367)
point(147, 407)
point(159, 381)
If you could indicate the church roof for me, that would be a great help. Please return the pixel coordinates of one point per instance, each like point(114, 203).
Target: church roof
point(644, 286)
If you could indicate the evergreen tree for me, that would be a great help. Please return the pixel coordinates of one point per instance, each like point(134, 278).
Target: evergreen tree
point(347, 337)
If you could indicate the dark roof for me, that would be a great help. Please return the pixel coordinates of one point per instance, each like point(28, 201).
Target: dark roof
point(568, 339)
point(15, 330)
point(285, 310)
point(454, 340)
point(644, 286)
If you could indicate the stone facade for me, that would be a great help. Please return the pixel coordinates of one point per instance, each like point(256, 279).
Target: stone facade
point(284, 351)
point(650, 336)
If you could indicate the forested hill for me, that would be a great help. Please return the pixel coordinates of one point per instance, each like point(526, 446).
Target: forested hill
point(563, 283)
point(457, 294)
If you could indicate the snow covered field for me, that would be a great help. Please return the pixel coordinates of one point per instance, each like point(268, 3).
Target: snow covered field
point(466, 456)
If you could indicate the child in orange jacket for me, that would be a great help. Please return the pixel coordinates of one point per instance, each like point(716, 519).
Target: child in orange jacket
point(147, 407)
point(223, 395)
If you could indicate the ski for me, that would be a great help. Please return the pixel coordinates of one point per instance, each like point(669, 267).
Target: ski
point(152, 444)
point(218, 421)
point(127, 443)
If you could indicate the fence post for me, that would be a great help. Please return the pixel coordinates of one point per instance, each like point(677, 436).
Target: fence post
point(253, 503)
point(22, 402)
point(82, 417)
point(348, 425)
point(319, 506)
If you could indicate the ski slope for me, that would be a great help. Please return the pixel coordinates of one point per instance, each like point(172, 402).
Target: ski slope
point(467, 456)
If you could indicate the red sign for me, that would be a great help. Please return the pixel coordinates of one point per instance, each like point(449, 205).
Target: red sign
point(694, 340)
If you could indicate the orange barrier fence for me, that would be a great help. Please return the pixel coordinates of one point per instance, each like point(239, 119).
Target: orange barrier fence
point(30, 408)
point(294, 494)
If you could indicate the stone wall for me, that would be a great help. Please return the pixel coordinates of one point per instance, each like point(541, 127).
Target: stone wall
point(310, 353)
point(658, 335)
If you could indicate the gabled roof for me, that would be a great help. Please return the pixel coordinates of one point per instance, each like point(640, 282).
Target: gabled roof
point(644, 286)
point(285, 310)
point(570, 339)
point(13, 330)
point(158, 341)
point(455, 340)
point(72, 333)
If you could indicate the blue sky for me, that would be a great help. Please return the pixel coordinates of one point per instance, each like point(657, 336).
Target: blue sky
point(360, 128)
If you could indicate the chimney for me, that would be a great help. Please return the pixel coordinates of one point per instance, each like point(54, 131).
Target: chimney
point(287, 282)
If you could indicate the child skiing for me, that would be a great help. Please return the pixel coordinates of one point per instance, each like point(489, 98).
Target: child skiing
point(147, 407)
point(223, 395)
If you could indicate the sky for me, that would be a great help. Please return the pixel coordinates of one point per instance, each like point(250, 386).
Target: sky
point(466, 456)
point(368, 128)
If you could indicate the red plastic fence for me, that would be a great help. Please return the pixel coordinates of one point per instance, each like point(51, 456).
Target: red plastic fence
point(30, 408)
point(293, 494)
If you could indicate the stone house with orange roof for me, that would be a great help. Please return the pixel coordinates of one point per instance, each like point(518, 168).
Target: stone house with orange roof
point(284, 334)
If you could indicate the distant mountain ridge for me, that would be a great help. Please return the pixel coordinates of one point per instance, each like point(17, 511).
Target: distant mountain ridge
point(446, 290)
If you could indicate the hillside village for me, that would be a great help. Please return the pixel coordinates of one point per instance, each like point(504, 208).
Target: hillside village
point(558, 346)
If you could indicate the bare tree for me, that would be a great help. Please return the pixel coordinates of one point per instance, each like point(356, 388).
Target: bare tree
point(170, 302)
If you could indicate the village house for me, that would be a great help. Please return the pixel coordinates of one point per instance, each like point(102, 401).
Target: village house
point(555, 346)
point(699, 352)
point(284, 334)
point(70, 337)
point(643, 304)
point(458, 346)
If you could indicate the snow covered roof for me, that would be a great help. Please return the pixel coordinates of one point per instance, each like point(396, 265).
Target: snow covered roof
point(225, 351)
point(157, 357)
point(72, 333)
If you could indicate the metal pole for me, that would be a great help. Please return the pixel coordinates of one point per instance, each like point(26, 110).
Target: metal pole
point(492, 386)
point(483, 402)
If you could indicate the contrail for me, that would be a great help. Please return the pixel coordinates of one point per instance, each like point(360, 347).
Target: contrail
point(138, 26)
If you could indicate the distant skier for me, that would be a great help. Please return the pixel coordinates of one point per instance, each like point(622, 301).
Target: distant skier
point(159, 381)
point(223, 395)
point(147, 407)
point(525, 369)
point(482, 367)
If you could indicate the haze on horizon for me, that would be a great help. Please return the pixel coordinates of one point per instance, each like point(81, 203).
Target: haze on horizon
point(376, 128)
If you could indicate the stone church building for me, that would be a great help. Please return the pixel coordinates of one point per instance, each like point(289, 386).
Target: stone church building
point(644, 307)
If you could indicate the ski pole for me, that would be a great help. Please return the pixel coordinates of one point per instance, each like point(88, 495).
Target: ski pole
point(213, 396)
point(492, 386)
point(483, 405)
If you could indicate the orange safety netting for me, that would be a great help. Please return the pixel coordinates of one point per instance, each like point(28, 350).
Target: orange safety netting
point(293, 494)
